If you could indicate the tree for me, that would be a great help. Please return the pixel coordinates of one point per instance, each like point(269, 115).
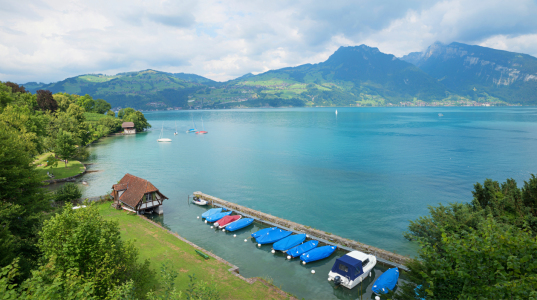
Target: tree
point(15, 88)
point(46, 101)
point(65, 145)
point(101, 106)
point(81, 240)
point(68, 192)
point(52, 162)
point(124, 112)
point(86, 102)
point(111, 113)
point(6, 96)
point(137, 117)
point(22, 200)
point(63, 100)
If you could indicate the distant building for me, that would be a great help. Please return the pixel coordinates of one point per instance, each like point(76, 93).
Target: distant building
point(137, 195)
point(128, 127)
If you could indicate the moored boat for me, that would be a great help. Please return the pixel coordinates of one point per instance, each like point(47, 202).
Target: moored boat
point(239, 224)
point(218, 216)
point(298, 250)
point(351, 269)
point(211, 211)
point(386, 282)
point(272, 236)
point(262, 232)
point(227, 220)
point(317, 254)
point(289, 242)
point(198, 201)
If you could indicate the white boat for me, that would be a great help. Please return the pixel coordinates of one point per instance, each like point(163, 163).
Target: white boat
point(199, 201)
point(161, 136)
point(352, 268)
point(336, 112)
point(175, 133)
point(440, 115)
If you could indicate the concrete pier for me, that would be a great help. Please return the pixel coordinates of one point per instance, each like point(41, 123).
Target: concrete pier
point(383, 256)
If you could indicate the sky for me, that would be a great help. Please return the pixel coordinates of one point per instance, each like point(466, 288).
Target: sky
point(50, 40)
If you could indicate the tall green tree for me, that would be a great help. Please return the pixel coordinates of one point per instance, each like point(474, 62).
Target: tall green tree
point(101, 106)
point(65, 145)
point(86, 102)
point(138, 118)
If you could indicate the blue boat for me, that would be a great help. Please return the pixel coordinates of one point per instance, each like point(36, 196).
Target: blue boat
point(262, 231)
point(289, 242)
point(239, 224)
point(272, 236)
point(386, 282)
point(317, 254)
point(211, 211)
point(218, 216)
point(298, 250)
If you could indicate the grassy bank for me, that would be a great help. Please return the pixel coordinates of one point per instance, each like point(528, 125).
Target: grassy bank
point(158, 245)
point(61, 171)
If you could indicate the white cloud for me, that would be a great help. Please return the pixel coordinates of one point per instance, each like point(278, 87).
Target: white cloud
point(51, 40)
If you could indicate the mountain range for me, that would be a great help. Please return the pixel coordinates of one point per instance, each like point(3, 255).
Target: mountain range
point(358, 75)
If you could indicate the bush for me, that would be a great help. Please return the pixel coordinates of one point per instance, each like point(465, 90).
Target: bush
point(68, 192)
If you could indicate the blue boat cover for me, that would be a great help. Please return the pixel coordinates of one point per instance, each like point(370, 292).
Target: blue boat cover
point(348, 267)
point(298, 250)
point(289, 242)
point(318, 253)
point(218, 216)
point(262, 231)
point(239, 224)
point(211, 211)
point(272, 236)
point(386, 281)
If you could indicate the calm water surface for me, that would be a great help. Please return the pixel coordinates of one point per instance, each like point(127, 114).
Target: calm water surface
point(361, 175)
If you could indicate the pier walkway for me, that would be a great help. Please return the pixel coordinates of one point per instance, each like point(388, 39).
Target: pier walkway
point(383, 256)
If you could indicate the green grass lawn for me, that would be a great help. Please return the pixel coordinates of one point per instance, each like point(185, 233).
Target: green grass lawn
point(73, 168)
point(158, 245)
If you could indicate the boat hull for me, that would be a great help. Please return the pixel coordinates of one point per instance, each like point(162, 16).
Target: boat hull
point(227, 220)
point(386, 282)
point(298, 250)
point(272, 236)
point(164, 140)
point(350, 284)
point(216, 217)
point(317, 254)
point(289, 242)
point(239, 224)
point(262, 232)
point(211, 212)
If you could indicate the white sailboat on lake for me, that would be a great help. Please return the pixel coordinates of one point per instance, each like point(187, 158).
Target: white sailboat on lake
point(161, 136)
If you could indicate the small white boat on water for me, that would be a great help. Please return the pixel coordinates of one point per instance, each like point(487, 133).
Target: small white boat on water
point(161, 136)
point(440, 115)
point(198, 201)
point(351, 269)
point(175, 133)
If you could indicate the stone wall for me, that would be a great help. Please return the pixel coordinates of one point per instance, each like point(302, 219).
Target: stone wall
point(387, 257)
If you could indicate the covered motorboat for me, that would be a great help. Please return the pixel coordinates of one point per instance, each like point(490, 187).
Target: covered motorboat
point(262, 232)
point(303, 248)
point(272, 236)
point(211, 211)
point(317, 254)
point(196, 200)
point(239, 224)
point(386, 282)
point(289, 242)
point(218, 216)
point(351, 269)
point(227, 220)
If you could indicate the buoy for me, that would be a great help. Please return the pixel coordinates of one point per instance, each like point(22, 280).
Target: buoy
point(307, 236)
point(224, 230)
point(258, 245)
point(377, 298)
point(212, 227)
point(198, 217)
point(245, 240)
point(205, 221)
point(369, 274)
point(234, 235)
point(312, 271)
point(303, 262)
point(288, 256)
point(273, 251)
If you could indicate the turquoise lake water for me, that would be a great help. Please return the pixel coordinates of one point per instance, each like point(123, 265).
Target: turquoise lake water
point(361, 175)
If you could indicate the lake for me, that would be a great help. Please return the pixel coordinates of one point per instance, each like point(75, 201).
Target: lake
point(362, 174)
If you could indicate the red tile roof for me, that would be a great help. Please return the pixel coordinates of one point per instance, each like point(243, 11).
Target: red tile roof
point(135, 188)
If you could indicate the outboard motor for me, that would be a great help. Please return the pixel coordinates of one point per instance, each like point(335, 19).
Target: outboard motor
point(337, 280)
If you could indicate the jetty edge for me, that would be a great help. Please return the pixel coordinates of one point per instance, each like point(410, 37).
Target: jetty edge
point(383, 256)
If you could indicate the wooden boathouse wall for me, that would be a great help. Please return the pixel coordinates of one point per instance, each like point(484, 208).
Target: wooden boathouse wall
point(383, 256)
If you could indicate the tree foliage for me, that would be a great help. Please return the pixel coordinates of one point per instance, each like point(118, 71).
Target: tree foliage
point(68, 192)
point(46, 101)
point(137, 117)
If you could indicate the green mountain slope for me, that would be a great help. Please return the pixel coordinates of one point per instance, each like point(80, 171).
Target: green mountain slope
point(473, 71)
point(147, 89)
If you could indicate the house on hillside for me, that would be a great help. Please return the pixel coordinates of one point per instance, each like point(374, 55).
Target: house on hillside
point(128, 127)
point(137, 195)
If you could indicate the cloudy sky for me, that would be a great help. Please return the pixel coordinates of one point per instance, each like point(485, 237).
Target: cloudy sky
point(50, 40)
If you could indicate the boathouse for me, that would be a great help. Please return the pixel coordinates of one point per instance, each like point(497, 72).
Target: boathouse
point(128, 128)
point(137, 195)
